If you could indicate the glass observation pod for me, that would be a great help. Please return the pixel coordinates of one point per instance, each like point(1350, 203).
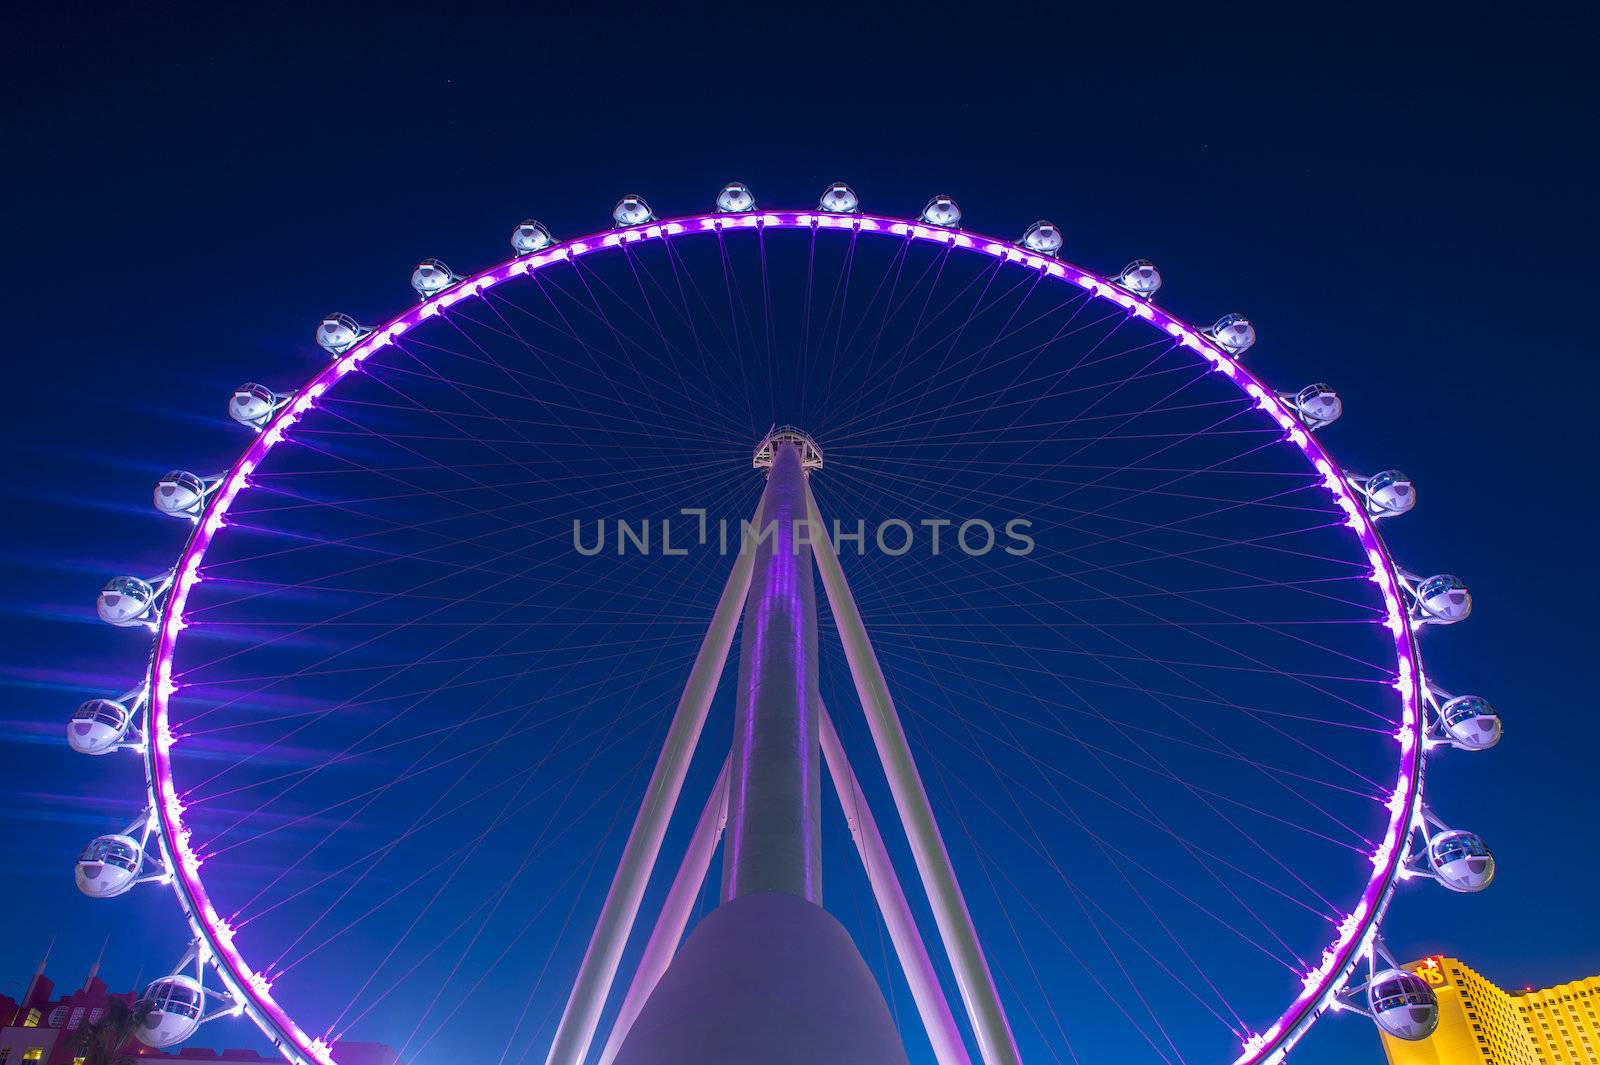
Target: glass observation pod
point(1402, 1004)
point(98, 726)
point(181, 494)
point(631, 211)
point(125, 601)
point(1139, 277)
point(1470, 722)
point(1233, 333)
point(109, 866)
point(432, 277)
point(1461, 860)
point(530, 236)
point(735, 198)
point(840, 198)
point(252, 405)
point(1044, 238)
point(1318, 405)
point(338, 333)
point(174, 1005)
point(1443, 599)
point(1389, 493)
point(942, 211)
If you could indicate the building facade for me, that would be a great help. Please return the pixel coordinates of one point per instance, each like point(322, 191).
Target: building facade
point(40, 1029)
point(1482, 1024)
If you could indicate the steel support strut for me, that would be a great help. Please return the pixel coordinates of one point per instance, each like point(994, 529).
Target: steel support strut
point(593, 984)
point(674, 917)
point(945, 1037)
point(978, 994)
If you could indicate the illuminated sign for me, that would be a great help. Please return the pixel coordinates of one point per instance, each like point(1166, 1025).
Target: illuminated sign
point(1431, 971)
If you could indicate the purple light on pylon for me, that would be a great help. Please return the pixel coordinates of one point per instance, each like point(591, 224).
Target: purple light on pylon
point(771, 828)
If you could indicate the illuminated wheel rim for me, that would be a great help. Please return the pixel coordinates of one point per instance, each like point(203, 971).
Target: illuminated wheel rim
point(253, 992)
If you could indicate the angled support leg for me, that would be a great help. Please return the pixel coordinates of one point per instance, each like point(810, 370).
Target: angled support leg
point(593, 984)
point(978, 994)
point(943, 1035)
point(675, 910)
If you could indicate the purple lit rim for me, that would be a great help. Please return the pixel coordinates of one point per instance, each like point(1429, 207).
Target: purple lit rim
point(253, 991)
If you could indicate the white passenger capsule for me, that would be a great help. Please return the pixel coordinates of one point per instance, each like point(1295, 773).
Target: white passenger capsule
point(1470, 722)
point(1461, 860)
point(840, 198)
point(432, 277)
point(1443, 599)
point(98, 726)
point(1233, 334)
point(338, 333)
point(1141, 278)
point(172, 1008)
point(1388, 493)
point(181, 494)
point(1318, 405)
point(109, 866)
point(1402, 1004)
point(735, 198)
point(631, 211)
point(253, 405)
point(1043, 237)
point(126, 601)
point(529, 237)
point(942, 211)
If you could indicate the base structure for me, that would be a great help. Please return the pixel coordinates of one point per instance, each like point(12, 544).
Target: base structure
point(770, 977)
point(766, 979)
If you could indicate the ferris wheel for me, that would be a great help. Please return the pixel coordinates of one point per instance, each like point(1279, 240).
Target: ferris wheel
point(1151, 769)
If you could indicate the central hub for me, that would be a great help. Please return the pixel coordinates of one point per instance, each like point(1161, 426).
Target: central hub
point(810, 453)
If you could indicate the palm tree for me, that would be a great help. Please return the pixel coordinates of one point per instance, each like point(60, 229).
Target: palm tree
point(107, 1040)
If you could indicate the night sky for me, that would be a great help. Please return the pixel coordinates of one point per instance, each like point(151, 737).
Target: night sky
point(1403, 207)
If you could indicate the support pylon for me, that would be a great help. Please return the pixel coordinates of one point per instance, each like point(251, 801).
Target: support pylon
point(769, 977)
point(996, 1044)
point(599, 967)
point(943, 1035)
point(668, 932)
point(774, 833)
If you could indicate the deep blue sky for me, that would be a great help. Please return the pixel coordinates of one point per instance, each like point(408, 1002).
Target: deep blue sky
point(1402, 205)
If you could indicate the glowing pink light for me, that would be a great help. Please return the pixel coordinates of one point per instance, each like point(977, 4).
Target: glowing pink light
point(248, 986)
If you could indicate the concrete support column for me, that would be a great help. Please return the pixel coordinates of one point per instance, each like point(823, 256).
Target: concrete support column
point(773, 836)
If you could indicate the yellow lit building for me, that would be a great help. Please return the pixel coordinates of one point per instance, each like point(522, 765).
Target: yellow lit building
point(1480, 1024)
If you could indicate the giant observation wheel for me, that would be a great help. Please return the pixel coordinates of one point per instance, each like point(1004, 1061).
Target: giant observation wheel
point(1161, 679)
